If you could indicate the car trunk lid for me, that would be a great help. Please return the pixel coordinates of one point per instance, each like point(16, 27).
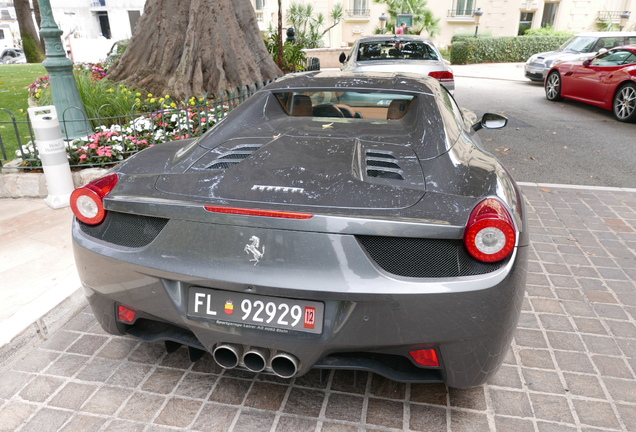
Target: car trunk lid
point(302, 170)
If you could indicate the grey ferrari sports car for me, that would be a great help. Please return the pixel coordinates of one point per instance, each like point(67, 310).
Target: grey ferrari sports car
point(333, 220)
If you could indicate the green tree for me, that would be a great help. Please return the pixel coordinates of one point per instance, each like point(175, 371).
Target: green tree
point(423, 18)
point(310, 28)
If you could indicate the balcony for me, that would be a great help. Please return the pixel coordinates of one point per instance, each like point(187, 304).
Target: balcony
point(461, 15)
point(97, 3)
point(357, 14)
point(610, 16)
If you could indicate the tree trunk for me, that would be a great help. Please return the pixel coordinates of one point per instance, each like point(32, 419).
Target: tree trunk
point(195, 47)
point(38, 20)
point(28, 32)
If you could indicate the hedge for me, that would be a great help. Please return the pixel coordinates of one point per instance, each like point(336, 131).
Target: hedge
point(501, 49)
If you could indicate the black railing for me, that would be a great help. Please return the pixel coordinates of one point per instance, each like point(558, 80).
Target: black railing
point(135, 130)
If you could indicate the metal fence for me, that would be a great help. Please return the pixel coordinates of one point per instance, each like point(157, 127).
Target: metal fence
point(138, 129)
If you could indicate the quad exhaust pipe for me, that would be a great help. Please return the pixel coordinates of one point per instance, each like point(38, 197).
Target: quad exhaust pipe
point(255, 359)
point(284, 365)
point(227, 355)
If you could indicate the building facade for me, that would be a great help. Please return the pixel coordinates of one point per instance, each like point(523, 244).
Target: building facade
point(499, 17)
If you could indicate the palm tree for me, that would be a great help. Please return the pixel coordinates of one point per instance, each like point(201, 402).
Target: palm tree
point(423, 18)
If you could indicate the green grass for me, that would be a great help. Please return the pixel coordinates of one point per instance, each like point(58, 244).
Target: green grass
point(14, 80)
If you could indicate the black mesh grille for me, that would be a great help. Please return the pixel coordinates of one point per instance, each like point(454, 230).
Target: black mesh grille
point(125, 229)
point(421, 257)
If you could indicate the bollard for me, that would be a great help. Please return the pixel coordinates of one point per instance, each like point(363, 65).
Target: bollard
point(52, 151)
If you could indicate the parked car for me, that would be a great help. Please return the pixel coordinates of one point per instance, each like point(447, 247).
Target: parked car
point(607, 81)
point(398, 53)
point(293, 235)
point(12, 55)
point(581, 47)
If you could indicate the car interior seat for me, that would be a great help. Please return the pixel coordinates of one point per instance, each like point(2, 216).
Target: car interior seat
point(397, 109)
point(301, 106)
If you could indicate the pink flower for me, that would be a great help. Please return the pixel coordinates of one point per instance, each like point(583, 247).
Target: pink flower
point(82, 158)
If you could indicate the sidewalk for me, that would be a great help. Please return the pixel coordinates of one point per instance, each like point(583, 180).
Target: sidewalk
point(571, 366)
point(40, 285)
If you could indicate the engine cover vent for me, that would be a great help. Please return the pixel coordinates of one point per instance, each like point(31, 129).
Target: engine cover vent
point(382, 165)
point(234, 156)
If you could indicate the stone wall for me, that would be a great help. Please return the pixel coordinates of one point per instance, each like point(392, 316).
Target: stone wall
point(18, 184)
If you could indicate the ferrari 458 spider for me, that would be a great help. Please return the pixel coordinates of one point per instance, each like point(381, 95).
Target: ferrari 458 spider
point(333, 220)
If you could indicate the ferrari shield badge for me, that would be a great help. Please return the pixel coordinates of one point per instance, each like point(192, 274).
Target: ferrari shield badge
point(252, 248)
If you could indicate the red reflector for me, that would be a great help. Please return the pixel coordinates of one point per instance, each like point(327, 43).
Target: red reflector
point(425, 357)
point(256, 212)
point(126, 314)
point(442, 75)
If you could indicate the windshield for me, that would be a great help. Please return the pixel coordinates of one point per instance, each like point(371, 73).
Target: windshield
point(580, 44)
point(395, 49)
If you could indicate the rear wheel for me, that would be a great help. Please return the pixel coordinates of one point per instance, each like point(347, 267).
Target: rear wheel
point(553, 86)
point(625, 103)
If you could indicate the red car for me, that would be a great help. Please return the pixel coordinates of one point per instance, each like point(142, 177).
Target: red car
point(607, 81)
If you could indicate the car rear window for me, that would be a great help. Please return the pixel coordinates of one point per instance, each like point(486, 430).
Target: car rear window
point(395, 49)
point(354, 105)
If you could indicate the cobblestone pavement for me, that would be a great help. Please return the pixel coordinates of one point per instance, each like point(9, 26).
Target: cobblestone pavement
point(571, 367)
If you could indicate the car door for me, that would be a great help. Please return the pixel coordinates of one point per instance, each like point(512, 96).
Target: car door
point(591, 82)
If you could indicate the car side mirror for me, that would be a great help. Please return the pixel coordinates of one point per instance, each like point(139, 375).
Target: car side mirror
point(343, 57)
point(587, 62)
point(491, 121)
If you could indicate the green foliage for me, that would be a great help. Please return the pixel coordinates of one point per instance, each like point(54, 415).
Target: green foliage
point(503, 49)
point(14, 82)
point(102, 98)
point(423, 18)
point(469, 34)
point(310, 28)
point(293, 55)
point(548, 30)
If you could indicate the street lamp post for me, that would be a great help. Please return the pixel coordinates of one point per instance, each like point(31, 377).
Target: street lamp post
point(478, 13)
point(624, 18)
point(66, 97)
point(383, 19)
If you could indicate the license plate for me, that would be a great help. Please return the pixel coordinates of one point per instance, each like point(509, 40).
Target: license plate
point(275, 314)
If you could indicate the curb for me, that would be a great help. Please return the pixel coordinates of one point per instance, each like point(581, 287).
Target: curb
point(20, 345)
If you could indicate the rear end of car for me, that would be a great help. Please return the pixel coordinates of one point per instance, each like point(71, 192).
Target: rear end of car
point(359, 263)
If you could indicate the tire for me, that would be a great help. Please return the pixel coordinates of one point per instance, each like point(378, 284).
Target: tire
point(624, 104)
point(553, 87)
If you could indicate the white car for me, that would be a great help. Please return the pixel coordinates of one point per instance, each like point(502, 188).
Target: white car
point(12, 56)
point(581, 47)
point(399, 53)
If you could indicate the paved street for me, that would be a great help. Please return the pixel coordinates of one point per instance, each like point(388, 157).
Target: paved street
point(571, 367)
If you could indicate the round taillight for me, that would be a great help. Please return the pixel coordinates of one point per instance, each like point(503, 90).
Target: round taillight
point(490, 234)
point(87, 202)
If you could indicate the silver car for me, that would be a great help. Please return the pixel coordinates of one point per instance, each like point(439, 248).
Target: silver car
point(581, 47)
point(399, 53)
point(333, 220)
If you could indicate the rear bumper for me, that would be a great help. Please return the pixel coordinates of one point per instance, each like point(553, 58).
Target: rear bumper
point(371, 319)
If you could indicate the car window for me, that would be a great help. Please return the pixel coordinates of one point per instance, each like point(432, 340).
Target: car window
point(579, 44)
point(614, 58)
point(395, 49)
point(630, 40)
point(349, 105)
point(608, 42)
